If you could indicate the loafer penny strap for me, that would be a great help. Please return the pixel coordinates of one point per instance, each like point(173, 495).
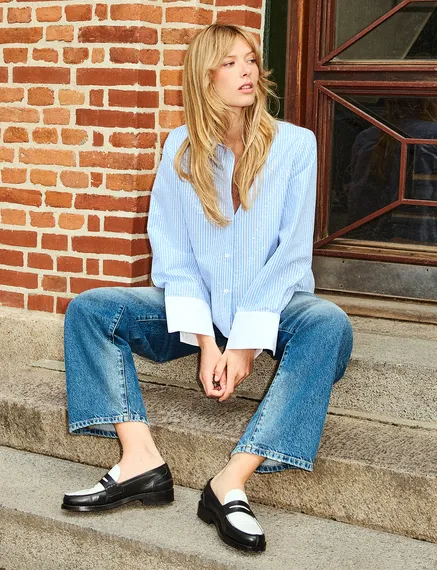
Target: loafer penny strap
point(111, 486)
point(237, 507)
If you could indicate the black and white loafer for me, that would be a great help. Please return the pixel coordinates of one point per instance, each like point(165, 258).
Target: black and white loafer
point(234, 520)
point(154, 487)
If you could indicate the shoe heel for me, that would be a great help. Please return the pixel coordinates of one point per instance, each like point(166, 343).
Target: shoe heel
point(159, 498)
point(204, 514)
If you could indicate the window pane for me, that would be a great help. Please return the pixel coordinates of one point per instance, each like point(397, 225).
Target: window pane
point(422, 172)
point(409, 34)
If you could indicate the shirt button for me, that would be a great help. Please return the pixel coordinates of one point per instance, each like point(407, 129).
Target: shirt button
point(227, 255)
point(226, 291)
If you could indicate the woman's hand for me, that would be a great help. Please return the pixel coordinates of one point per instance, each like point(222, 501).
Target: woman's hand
point(236, 365)
point(209, 357)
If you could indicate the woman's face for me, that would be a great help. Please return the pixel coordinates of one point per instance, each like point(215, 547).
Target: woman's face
point(237, 69)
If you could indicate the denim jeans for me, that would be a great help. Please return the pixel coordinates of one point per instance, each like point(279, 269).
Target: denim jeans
point(103, 327)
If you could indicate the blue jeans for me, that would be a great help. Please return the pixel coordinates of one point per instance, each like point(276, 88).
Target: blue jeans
point(103, 327)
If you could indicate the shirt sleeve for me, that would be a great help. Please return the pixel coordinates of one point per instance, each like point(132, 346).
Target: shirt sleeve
point(257, 317)
point(174, 267)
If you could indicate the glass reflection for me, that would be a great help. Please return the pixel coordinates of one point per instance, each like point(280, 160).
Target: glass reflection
point(408, 34)
point(366, 172)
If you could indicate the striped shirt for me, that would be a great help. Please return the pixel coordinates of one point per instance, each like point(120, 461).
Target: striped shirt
point(242, 276)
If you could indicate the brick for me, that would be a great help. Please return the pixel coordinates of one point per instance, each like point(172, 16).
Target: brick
point(140, 12)
point(109, 118)
point(14, 175)
point(55, 242)
point(109, 203)
point(58, 199)
point(62, 304)
point(10, 299)
point(75, 179)
point(96, 179)
point(40, 303)
point(240, 17)
point(178, 35)
point(13, 217)
point(75, 56)
point(18, 237)
point(25, 197)
point(116, 76)
point(54, 283)
point(69, 264)
point(60, 33)
point(19, 15)
point(45, 136)
point(49, 14)
point(56, 116)
point(18, 115)
point(11, 257)
point(115, 160)
point(6, 154)
point(173, 97)
point(136, 225)
point(144, 99)
point(133, 140)
point(42, 219)
point(189, 15)
point(40, 96)
point(15, 134)
point(45, 54)
point(74, 136)
point(174, 57)
point(18, 279)
point(98, 55)
point(41, 75)
point(11, 94)
point(171, 119)
point(39, 260)
point(71, 97)
point(98, 139)
point(41, 156)
point(96, 97)
point(79, 13)
point(101, 11)
point(15, 55)
point(18, 36)
point(95, 244)
point(171, 77)
point(71, 221)
point(128, 182)
point(126, 269)
point(93, 223)
point(80, 284)
point(92, 267)
point(117, 35)
point(44, 177)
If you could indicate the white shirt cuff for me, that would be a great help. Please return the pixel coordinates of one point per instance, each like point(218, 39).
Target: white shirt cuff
point(190, 316)
point(254, 329)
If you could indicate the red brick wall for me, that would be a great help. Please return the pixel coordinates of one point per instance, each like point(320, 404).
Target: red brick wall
point(88, 94)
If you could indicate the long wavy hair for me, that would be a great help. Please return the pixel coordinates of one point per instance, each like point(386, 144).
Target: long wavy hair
point(208, 119)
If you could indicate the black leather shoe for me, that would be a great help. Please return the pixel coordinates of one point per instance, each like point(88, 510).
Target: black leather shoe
point(154, 487)
point(241, 531)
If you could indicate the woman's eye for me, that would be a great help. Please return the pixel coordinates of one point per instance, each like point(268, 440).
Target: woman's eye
point(229, 63)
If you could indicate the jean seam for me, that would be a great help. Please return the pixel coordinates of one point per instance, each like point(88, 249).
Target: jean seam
point(275, 456)
point(122, 371)
point(266, 399)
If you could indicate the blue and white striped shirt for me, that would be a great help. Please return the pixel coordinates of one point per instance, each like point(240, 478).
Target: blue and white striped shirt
point(242, 276)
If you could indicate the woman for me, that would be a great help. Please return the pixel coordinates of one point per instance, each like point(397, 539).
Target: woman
point(230, 266)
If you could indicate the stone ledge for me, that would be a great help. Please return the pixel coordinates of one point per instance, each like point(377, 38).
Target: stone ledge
point(366, 473)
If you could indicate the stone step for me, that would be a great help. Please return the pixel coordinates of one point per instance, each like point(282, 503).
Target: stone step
point(391, 376)
point(36, 533)
point(366, 472)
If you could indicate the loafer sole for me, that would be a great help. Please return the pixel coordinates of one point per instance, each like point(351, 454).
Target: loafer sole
point(156, 498)
point(209, 517)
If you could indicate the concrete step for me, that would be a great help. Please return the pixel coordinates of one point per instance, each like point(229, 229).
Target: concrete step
point(391, 376)
point(37, 534)
point(366, 472)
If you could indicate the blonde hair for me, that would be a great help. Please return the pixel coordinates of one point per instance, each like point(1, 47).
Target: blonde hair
point(208, 118)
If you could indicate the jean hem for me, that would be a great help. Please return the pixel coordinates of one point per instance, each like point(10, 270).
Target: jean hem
point(286, 461)
point(86, 427)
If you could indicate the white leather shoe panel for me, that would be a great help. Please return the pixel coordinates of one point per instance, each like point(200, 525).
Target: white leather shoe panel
point(241, 521)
